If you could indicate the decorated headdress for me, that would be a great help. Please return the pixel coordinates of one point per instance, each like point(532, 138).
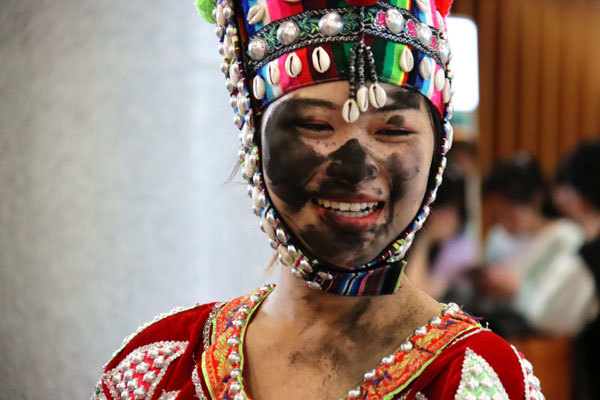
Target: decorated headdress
point(272, 47)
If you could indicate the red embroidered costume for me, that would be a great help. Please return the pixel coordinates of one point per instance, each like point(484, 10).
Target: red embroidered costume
point(191, 354)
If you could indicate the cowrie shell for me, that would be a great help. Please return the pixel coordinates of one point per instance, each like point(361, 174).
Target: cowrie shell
point(227, 45)
point(220, 17)
point(377, 95)
point(439, 79)
point(293, 65)
point(321, 60)
point(425, 68)
point(407, 61)
point(268, 228)
point(285, 255)
point(256, 14)
point(249, 166)
point(350, 111)
point(423, 5)
point(247, 135)
point(258, 88)
point(273, 74)
point(255, 197)
point(234, 73)
point(362, 98)
point(242, 103)
point(447, 92)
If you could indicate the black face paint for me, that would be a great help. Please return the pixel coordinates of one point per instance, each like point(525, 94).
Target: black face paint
point(348, 164)
point(289, 162)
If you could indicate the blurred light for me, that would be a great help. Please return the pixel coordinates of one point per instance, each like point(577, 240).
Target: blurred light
point(462, 34)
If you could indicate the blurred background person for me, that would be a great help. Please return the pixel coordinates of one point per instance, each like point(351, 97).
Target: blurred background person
point(577, 195)
point(445, 248)
point(528, 285)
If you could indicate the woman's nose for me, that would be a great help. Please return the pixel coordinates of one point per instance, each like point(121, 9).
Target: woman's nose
point(351, 163)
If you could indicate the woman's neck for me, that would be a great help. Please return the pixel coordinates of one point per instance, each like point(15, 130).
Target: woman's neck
point(295, 302)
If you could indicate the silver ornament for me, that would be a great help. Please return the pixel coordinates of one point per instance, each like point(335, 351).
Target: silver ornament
point(288, 32)
point(444, 51)
point(424, 34)
point(394, 21)
point(234, 357)
point(257, 48)
point(331, 24)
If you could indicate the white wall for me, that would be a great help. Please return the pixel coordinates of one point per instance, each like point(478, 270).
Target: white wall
point(115, 143)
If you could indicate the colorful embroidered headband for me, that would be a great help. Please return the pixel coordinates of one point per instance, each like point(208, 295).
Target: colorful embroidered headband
point(272, 47)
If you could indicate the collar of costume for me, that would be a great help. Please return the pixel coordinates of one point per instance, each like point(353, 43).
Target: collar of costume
point(273, 47)
point(222, 363)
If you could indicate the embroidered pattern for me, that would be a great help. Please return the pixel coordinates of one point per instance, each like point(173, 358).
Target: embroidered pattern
point(222, 362)
point(141, 328)
point(478, 380)
point(137, 376)
point(533, 390)
point(169, 395)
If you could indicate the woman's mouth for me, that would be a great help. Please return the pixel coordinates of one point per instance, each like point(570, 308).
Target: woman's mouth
point(349, 209)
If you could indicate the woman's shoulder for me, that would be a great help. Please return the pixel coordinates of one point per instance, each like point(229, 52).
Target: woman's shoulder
point(478, 365)
point(170, 338)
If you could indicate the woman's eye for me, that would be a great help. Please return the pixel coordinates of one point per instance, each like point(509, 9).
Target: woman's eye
point(394, 132)
point(315, 126)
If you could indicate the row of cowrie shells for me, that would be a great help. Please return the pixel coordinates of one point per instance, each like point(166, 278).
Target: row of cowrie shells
point(293, 67)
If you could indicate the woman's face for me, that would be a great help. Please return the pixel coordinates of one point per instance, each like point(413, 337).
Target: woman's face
point(346, 191)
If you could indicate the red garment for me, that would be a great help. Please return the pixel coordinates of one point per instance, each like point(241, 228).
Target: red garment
point(182, 356)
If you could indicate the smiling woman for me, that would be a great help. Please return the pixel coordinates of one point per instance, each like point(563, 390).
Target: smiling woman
point(344, 122)
point(354, 187)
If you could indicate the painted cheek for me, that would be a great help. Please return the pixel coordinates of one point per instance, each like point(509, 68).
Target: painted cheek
point(289, 165)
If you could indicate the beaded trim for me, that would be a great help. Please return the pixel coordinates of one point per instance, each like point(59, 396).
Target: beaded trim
point(532, 386)
point(223, 361)
point(169, 395)
point(146, 325)
point(140, 372)
point(197, 384)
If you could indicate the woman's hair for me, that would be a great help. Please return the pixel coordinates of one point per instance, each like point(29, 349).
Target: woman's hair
point(520, 181)
point(581, 170)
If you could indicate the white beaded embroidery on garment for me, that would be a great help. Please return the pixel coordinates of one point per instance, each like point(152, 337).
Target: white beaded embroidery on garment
point(141, 328)
point(169, 395)
point(533, 390)
point(138, 375)
point(478, 380)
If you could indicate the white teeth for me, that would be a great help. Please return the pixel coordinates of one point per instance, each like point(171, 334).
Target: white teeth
point(353, 210)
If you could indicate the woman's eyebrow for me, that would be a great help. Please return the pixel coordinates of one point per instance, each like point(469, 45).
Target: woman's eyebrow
point(299, 102)
point(402, 100)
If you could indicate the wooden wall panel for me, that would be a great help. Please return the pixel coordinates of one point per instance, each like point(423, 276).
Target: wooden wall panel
point(539, 63)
